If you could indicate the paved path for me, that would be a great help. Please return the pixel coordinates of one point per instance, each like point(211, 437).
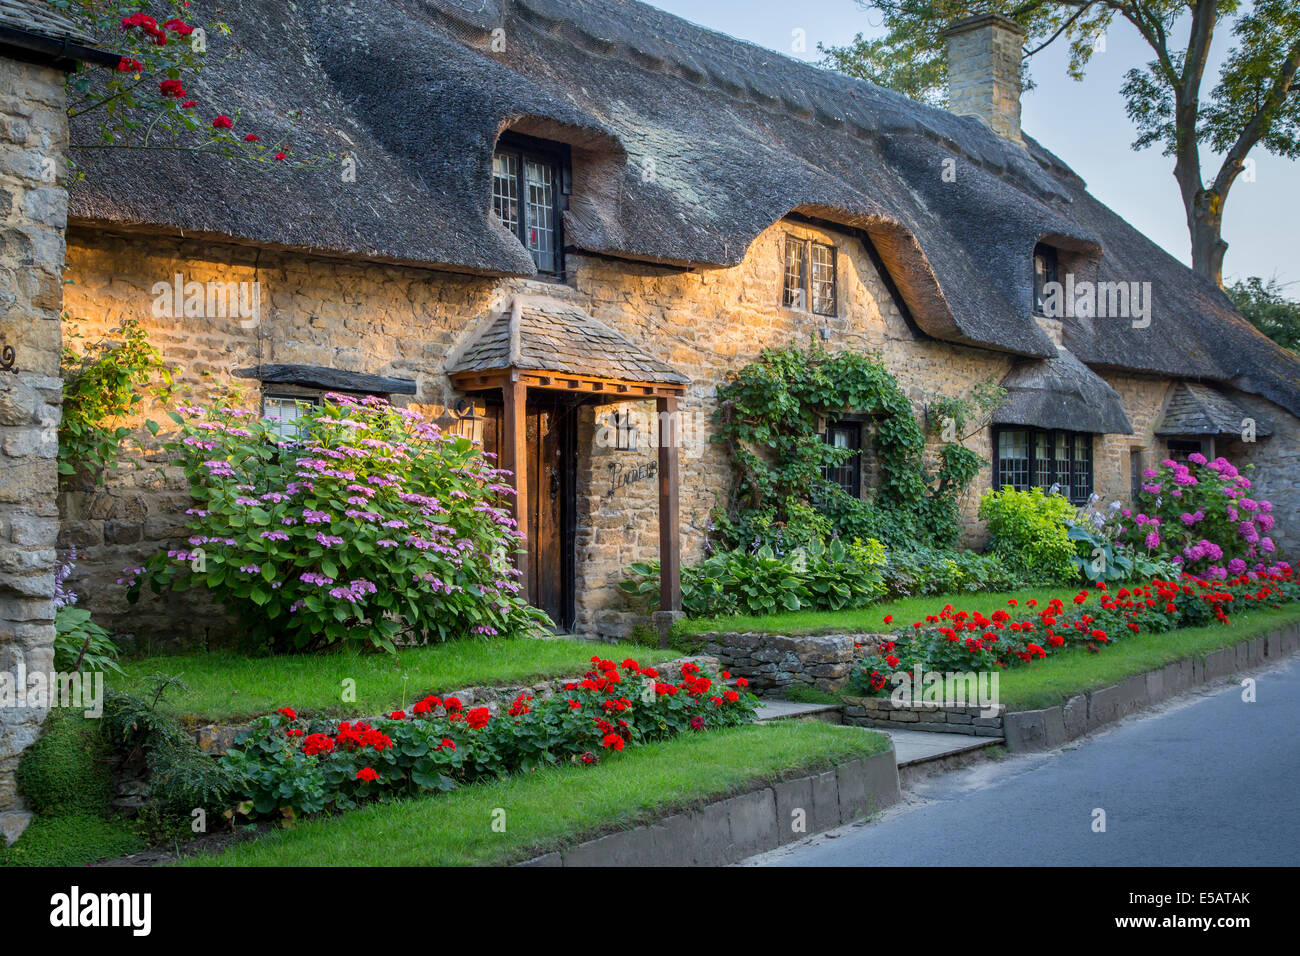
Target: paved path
point(1206, 781)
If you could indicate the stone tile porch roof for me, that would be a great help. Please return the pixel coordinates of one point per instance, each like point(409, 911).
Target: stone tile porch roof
point(1061, 393)
point(1196, 409)
point(549, 335)
point(35, 16)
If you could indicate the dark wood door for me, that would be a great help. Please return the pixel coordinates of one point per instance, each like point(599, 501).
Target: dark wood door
point(551, 472)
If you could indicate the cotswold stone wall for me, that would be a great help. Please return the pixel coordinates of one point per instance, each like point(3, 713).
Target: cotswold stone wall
point(404, 322)
point(33, 142)
point(773, 663)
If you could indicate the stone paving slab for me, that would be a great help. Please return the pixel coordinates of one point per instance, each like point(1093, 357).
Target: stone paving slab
point(921, 746)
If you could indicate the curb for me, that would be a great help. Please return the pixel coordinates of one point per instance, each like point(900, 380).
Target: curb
point(1029, 730)
point(727, 831)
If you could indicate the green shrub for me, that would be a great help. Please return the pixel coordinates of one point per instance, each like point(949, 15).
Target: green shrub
point(920, 571)
point(369, 524)
point(813, 577)
point(71, 839)
point(1029, 533)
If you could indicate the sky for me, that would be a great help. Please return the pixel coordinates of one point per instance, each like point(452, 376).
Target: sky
point(1083, 123)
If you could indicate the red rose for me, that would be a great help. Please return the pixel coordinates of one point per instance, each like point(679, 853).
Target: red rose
point(223, 122)
point(172, 88)
point(252, 138)
point(127, 65)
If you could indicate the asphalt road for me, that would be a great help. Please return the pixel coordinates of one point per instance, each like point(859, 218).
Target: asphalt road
point(1207, 781)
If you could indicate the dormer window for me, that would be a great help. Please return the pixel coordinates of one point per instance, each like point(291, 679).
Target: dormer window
point(529, 183)
point(809, 281)
point(1047, 269)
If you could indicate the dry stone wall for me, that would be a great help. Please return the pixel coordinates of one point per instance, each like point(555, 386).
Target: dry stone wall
point(33, 143)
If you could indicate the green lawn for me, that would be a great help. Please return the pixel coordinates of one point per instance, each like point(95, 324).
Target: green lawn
point(225, 686)
point(560, 807)
point(1047, 682)
point(868, 619)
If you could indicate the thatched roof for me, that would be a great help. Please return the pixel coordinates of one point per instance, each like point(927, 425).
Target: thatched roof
point(32, 29)
point(549, 335)
point(37, 16)
point(1063, 393)
point(686, 145)
point(1195, 409)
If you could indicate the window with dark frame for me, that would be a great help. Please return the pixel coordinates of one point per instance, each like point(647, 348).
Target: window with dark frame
point(529, 182)
point(1180, 448)
point(847, 474)
point(282, 412)
point(1027, 458)
point(810, 276)
point(1047, 268)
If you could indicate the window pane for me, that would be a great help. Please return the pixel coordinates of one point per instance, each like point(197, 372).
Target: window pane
point(1061, 464)
point(1013, 459)
point(847, 474)
point(282, 415)
point(823, 279)
point(540, 236)
point(793, 295)
point(1043, 450)
point(1081, 473)
point(505, 190)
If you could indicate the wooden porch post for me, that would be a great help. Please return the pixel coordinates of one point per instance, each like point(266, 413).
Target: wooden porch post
point(670, 559)
point(514, 457)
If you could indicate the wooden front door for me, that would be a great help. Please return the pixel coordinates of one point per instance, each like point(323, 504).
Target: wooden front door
point(552, 450)
point(551, 501)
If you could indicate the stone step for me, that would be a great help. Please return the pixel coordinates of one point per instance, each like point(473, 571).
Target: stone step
point(788, 710)
point(920, 746)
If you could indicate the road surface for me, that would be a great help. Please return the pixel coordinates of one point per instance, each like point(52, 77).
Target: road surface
point(1209, 780)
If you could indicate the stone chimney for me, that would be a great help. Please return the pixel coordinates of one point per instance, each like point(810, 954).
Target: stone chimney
point(984, 71)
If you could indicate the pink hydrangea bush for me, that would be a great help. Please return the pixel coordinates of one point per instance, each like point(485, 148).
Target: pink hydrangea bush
point(368, 525)
point(1203, 516)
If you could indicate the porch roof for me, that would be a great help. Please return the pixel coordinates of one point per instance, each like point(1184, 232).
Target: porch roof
point(548, 336)
point(1196, 409)
point(1062, 393)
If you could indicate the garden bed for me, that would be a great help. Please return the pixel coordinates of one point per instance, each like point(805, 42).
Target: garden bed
point(559, 808)
point(225, 687)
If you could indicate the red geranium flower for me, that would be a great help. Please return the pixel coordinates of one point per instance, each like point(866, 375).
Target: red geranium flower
point(367, 774)
point(478, 717)
point(612, 742)
point(288, 712)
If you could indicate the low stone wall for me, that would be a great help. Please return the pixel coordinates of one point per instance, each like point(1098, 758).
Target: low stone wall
point(774, 662)
point(759, 820)
point(940, 718)
point(1082, 714)
point(216, 739)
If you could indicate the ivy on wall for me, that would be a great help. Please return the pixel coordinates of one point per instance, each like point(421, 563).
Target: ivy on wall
point(771, 414)
point(102, 384)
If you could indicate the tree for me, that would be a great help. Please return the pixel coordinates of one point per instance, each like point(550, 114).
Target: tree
point(1255, 102)
point(1267, 309)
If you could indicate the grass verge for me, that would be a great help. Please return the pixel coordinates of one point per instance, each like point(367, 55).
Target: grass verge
point(862, 620)
point(1048, 682)
point(227, 687)
point(559, 807)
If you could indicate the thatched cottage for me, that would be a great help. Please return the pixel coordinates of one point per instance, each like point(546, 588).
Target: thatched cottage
point(545, 213)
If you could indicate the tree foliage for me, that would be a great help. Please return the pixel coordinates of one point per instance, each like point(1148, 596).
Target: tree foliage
point(1267, 309)
point(1254, 102)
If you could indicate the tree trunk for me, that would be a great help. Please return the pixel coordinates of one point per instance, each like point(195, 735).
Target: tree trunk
point(1205, 223)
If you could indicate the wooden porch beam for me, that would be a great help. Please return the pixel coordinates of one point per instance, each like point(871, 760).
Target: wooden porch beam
point(514, 458)
point(670, 557)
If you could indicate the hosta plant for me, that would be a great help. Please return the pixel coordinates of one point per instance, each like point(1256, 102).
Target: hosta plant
point(369, 524)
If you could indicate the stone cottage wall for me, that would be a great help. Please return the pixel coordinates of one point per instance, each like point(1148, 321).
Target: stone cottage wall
point(33, 142)
point(405, 322)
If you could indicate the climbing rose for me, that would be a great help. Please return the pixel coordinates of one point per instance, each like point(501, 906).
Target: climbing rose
point(223, 122)
point(252, 138)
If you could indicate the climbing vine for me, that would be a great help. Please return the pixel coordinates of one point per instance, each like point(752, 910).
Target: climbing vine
point(770, 416)
point(103, 383)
